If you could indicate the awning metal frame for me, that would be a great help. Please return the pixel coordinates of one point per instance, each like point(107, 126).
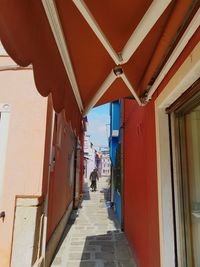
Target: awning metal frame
point(152, 15)
point(154, 12)
point(55, 24)
point(87, 15)
point(191, 29)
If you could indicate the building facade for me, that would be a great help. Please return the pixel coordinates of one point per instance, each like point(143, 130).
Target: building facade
point(104, 166)
point(39, 176)
point(89, 156)
point(161, 173)
point(115, 143)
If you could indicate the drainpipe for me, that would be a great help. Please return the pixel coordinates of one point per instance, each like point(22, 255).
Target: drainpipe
point(4, 130)
point(122, 119)
point(44, 235)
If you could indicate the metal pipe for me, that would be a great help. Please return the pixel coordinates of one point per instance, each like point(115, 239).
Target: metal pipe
point(46, 202)
point(40, 236)
point(4, 129)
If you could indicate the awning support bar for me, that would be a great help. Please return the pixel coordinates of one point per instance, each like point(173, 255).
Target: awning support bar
point(103, 88)
point(114, 74)
point(193, 26)
point(146, 24)
point(81, 6)
point(54, 21)
point(130, 87)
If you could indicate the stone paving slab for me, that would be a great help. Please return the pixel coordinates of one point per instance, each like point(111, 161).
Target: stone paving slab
point(94, 238)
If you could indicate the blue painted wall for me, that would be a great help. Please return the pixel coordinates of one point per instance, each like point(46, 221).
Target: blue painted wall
point(115, 117)
point(118, 206)
point(115, 111)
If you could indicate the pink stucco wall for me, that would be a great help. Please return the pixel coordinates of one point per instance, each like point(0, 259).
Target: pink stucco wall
point(25, 147)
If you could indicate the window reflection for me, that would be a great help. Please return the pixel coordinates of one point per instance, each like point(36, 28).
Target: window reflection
point(192, 141)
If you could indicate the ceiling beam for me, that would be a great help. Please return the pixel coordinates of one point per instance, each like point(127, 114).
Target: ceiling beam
point(103, 88)
point(154, 12)
point(82, 7)
point(55, 24)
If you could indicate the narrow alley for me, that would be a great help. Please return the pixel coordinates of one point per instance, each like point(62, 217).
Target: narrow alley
point(92, 237)
point(107, 89)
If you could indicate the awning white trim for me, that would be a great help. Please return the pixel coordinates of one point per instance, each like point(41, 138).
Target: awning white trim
point(80, 4)
point(54, 21)
point(148, 21)
point(130, 87)
point(192, 27)
point(103, 88)
point(146, 24)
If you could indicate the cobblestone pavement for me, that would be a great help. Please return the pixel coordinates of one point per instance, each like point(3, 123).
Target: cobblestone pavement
point(92, 237)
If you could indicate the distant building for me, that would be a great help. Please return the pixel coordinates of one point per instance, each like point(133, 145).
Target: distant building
point(105, 164)
point(116, 159)
point(89, 156)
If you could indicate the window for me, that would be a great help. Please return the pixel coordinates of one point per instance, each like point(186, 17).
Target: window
point(178, 85)
point(187, 139)
point(85, 145)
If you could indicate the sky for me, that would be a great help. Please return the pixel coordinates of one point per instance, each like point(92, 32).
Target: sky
point(98, 125)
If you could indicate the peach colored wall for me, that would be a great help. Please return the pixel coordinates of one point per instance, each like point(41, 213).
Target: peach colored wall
point(25, 147)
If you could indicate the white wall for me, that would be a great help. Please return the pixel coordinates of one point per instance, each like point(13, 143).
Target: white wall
point(105, 165)
point(89, 153)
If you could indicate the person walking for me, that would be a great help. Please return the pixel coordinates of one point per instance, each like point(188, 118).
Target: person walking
point(93, 178)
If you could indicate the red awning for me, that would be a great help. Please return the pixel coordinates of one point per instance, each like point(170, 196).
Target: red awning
point(75, 45)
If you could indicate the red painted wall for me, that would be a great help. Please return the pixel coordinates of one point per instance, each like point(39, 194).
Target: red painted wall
point(61, 187)
point(140, 183)
point(141, 222)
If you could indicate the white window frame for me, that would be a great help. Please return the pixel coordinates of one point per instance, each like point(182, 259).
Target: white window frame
point(186, 75)
point(4, 129)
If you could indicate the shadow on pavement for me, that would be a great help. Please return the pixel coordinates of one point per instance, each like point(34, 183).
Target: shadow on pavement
point(108, 250)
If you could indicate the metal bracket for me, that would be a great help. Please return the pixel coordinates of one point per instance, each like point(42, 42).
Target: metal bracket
point(2, 215)
point(4, 107)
